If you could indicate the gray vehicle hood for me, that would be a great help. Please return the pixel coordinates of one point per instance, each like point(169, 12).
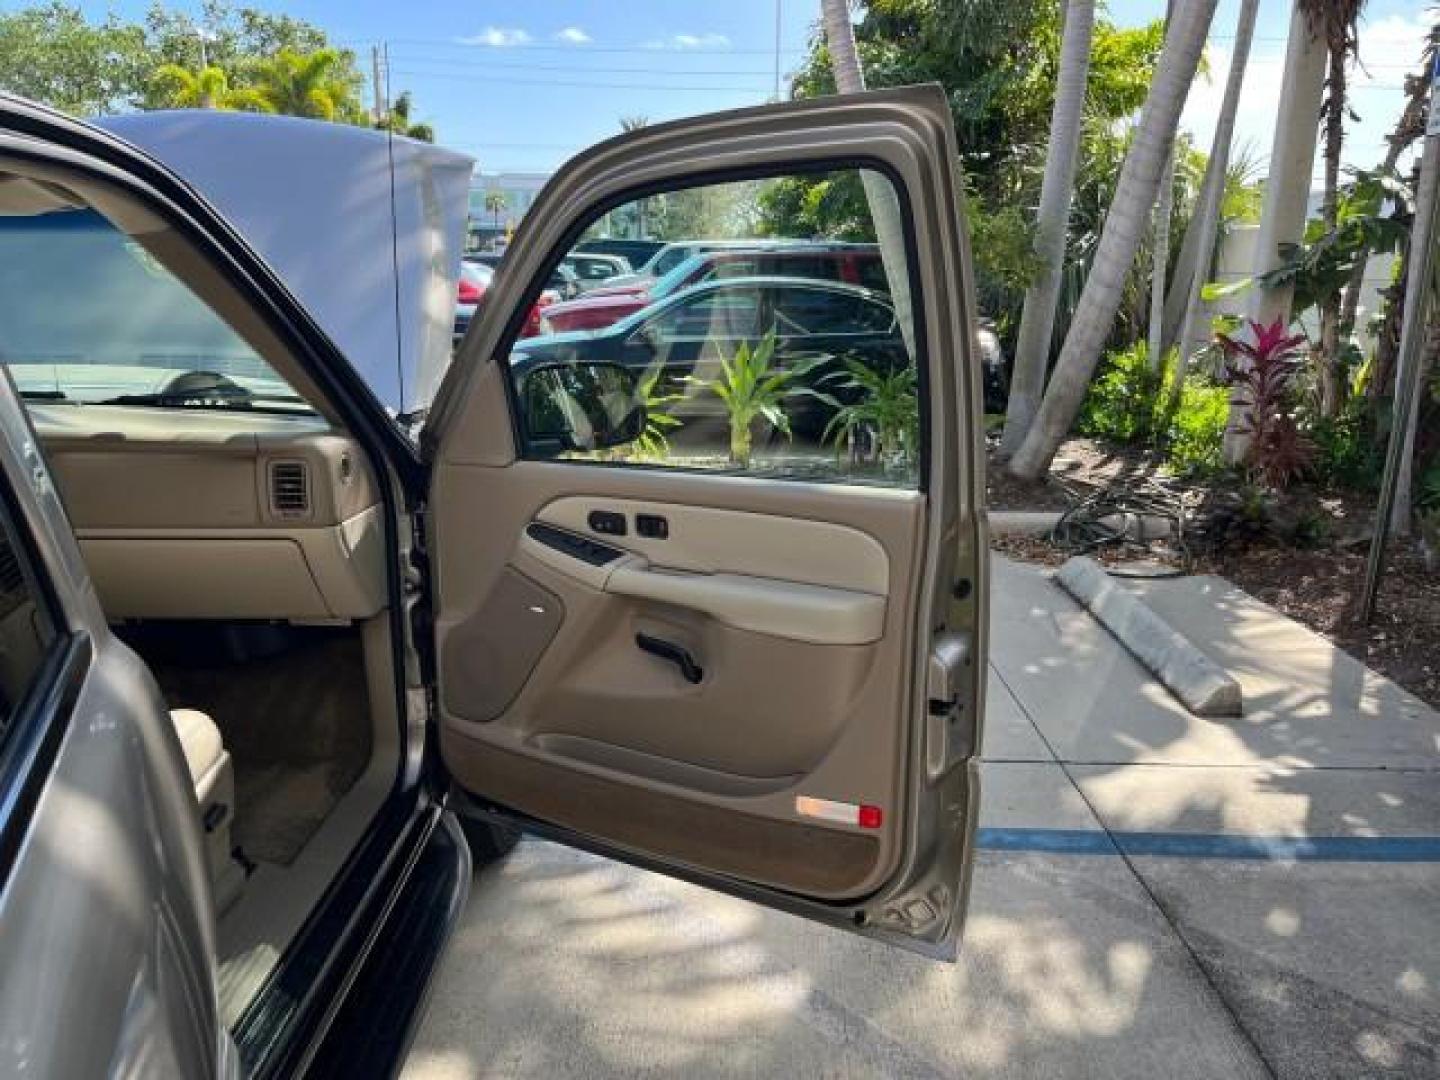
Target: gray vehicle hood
point(375, 263)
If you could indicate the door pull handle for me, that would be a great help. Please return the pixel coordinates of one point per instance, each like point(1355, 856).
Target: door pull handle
point(676, 654)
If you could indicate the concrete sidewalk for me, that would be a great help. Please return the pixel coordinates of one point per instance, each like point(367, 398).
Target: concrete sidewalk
point(1090, 963)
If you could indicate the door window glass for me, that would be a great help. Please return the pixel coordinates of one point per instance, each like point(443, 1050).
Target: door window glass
point(761, 361)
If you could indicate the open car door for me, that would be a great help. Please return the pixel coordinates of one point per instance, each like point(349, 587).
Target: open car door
point(710, 584)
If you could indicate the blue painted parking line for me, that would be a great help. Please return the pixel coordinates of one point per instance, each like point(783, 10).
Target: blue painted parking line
point(1389, 849)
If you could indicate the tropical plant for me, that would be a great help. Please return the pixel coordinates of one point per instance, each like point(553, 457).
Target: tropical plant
point(1037, 322)
point(885, 412)
point(317, 84)
point(496, 204)
point(1276, 451)
point(752, 389)
point(1121, 402)
point(209, 88)
point(653, 442)
point(1134, 195)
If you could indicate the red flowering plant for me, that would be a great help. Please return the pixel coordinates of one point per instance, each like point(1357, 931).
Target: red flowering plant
point(1264, 370)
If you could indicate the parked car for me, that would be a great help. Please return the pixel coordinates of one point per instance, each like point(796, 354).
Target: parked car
point(858, 264)
point(695, 328)
point(673, 254)
point(592, 269)
point(475, 281)
point(276, 665)
point(635, 252)
point(563, 281)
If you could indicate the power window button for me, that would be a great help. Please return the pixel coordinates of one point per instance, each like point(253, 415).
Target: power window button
point(607, 522)
point(652, 526)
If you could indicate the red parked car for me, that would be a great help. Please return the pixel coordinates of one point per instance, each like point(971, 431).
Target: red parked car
point(853, 264)
point(475, 279)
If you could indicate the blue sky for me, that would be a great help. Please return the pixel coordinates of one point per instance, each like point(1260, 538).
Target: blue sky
point(522, 86)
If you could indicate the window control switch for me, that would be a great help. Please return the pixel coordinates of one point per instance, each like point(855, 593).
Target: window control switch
point(652, 526)
point(607, 522)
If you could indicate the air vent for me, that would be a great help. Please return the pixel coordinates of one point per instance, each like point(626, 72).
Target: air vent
point(289, 488)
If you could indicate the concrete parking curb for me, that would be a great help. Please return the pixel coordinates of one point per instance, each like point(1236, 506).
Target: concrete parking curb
point(1201, 685)
point(1040, 522)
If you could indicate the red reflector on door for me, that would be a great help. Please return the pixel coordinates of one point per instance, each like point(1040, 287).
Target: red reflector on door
point(866, 817)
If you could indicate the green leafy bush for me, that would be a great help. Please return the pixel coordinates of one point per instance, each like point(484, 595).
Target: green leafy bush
point(1348, 453)
point(1125, 405)
point(1194, 444)
point(1122, 401)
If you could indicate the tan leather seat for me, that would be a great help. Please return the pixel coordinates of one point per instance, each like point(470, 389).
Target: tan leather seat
point(214, 780)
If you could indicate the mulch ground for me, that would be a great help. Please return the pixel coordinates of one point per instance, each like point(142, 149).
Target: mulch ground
point(1315, 585)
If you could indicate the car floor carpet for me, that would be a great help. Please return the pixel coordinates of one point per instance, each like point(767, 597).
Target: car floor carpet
point(297, 726)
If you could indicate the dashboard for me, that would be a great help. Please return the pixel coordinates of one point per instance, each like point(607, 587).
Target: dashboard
point(214, 514)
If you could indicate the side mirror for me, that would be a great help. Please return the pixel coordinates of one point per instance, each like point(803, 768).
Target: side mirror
point(581, 406)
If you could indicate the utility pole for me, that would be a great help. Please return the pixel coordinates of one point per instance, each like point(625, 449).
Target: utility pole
point(382, 103)
point(777, 50)
point(1421, 294)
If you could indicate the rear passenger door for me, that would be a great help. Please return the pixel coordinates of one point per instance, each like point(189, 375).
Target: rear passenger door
point(730, 623)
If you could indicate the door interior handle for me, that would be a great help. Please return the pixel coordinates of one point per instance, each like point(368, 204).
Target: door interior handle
point(676, 654)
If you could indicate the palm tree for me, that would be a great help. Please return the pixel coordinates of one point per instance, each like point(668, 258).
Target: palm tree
point(208, 88)
point(1208, 215)
point(635, 123)
point(1037, 321)
point(1335, 21)
point(309, 84)
point(1134, 196)
point(495, 205)
point(884, 207)
point(398, 121)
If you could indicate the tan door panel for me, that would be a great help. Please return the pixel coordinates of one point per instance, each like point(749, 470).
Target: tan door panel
point(774, 718)
point(713, 541)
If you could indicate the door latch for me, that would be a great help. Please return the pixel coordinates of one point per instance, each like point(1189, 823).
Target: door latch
point(950, 735)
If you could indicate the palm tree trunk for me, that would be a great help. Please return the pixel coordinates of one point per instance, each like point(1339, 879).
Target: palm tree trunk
point(881, 197)
point(1328, 359)
point(1134, 196)
point(1159, 261)
point(1037, 322)
point(1207, 218)
point(1160, 250)
point(1416, 286)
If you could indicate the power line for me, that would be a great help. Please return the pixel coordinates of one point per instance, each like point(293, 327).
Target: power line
point(458, 76)
point(488, 65)
point(576, 50)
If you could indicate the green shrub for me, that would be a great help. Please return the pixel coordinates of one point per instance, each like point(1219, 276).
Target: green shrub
point(1194, 445)
point(1122, 401)
point(1124, 405)
point(1348, 453)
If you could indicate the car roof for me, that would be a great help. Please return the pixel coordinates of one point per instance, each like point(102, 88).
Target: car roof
point(774, 281)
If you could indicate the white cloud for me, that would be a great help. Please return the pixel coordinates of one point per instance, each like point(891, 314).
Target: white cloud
point(573, 35)
point(496, 37)
point(688, 41)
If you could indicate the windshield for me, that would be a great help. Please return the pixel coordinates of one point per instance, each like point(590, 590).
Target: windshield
point(87, 315)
